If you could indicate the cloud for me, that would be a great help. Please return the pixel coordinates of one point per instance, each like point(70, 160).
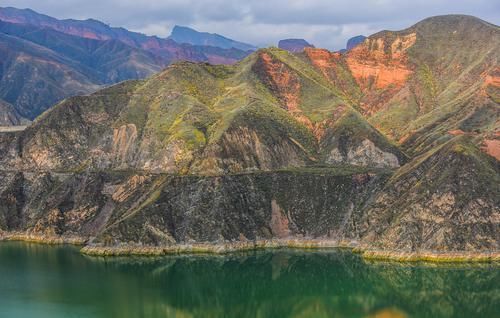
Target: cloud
point(325, 23)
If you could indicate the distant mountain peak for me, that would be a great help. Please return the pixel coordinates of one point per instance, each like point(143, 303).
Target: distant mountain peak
point(294, 45)
point(183, 34)
point(182, 28)
point(354, 41)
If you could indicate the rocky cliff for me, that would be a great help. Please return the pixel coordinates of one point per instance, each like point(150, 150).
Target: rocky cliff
point(159, 209)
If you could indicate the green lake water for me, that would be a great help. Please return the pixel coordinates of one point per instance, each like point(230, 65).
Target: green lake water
point(57, 281)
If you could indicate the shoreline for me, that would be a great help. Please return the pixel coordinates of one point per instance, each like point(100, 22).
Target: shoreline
point(366, 253)
point(429, 256)
point(210, 248)
point(43, 239)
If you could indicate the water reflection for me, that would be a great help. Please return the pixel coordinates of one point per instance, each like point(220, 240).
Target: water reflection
point(59, 282)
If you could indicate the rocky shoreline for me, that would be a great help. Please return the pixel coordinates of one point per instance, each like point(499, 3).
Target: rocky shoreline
point(367, 254)
point(231, 247)
point(210, 248)
point(42, 239)
point(431, 256)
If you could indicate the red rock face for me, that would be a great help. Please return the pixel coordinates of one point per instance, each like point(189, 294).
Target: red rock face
point(333, 66)
point(456, 132)
point(380, 68)
point(280, 80)
point(379, 64)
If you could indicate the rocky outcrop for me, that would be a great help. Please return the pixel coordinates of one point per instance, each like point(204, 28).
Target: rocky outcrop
point(280, 79)
point(366, 154)
point(246, 149)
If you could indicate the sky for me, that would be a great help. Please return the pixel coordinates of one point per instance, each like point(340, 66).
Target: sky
point(324, 23)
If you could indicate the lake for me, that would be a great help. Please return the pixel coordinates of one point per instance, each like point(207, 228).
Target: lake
point(57, 281)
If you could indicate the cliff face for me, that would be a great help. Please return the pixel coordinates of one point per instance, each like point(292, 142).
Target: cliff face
point(161, 209)
point(280, 145)
point(446, 199)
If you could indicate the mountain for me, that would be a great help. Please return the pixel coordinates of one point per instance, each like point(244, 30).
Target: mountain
point(93, 29)
point(181, 34)
point(389, 147)
point(294, 45)
point(422, 97)
point(42, 66)
point(45, 60)
point(188, 117)
point(354, 41)
point(445, 199)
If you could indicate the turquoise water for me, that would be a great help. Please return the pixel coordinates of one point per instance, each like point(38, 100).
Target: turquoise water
point(57, 281)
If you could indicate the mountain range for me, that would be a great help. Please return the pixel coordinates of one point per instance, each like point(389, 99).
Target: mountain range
point(181, 34)
point(392, 145)
point(46, 60)
point(57, 59)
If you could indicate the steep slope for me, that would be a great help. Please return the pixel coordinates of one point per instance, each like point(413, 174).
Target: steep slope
point(445, 199)
point(182, 34)
point(33, 78)
point(164, 210)
point(273, 110)
point(435, 79)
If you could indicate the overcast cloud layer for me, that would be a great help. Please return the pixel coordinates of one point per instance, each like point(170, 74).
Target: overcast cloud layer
point(325, 23)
